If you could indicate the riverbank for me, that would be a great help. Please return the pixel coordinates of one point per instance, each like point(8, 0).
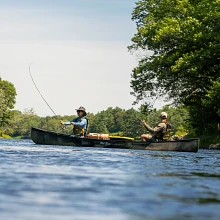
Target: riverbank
point(210, 142)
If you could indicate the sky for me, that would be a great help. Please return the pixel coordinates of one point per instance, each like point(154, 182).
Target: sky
point(78, 50)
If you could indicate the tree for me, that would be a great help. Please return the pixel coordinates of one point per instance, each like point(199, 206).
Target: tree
point(98, 124)
point(7, 101)
point(9, 91)
point(3, 106)
point(21, 123)
point(184, 37)
point(132, 125)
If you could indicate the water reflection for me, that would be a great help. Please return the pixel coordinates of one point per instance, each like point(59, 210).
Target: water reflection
point(206, 174)
point(190, 199)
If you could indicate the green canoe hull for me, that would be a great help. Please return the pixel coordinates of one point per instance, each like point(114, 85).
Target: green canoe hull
point(44, 137)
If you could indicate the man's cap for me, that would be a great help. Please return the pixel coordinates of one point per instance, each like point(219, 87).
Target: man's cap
point(163, 115)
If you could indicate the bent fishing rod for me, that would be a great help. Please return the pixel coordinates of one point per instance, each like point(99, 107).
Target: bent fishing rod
point(63, 127)
point(39, 90)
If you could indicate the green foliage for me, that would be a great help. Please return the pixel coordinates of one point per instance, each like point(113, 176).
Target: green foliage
point(9, 93)
point(181, 131)
point(21, 123)
point(115, 121)
point(207, 140)
point(7, 101)
point(5, 136)
point(3, 106)
point(184, 37)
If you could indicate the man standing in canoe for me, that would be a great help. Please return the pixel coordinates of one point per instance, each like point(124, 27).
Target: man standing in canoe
point(79, 124)
point(158, 132)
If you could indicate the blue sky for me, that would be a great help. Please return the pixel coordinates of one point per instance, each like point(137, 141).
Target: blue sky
point(78, 49)
point(102, 20)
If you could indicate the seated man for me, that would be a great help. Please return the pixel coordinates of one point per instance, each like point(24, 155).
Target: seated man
point(79, 124)
point(158, 132)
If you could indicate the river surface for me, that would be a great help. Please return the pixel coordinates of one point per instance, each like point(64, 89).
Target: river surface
point(50, 182)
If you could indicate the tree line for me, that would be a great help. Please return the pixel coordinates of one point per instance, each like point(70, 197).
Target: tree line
point(115, 121)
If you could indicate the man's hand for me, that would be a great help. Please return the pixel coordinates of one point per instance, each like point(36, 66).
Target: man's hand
point(62, 123)
point(144, 122)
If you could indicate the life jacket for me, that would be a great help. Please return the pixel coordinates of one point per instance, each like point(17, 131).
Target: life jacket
point(164, 135)
point(168, 129)
point(78, 130)
point(86, 131)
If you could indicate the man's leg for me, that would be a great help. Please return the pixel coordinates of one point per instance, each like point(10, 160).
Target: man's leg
point(146, 137)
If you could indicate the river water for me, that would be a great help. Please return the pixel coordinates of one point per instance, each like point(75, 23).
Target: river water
point(52, 182)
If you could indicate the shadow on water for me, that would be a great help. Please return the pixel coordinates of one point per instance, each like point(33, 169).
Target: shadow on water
point(190, 174)
point(156, 155)
point(190, 199)
point(206, 175)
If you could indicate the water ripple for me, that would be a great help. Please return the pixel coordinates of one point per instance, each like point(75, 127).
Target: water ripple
point(42, 182)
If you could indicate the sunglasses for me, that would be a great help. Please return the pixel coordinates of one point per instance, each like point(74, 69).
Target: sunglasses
point(79, 111)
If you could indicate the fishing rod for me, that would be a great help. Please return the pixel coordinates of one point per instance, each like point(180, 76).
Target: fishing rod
point(39, 90)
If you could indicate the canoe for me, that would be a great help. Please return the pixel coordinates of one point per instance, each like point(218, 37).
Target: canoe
point(44, 137)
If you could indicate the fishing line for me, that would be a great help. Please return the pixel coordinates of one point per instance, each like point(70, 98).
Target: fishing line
point(39, 90)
